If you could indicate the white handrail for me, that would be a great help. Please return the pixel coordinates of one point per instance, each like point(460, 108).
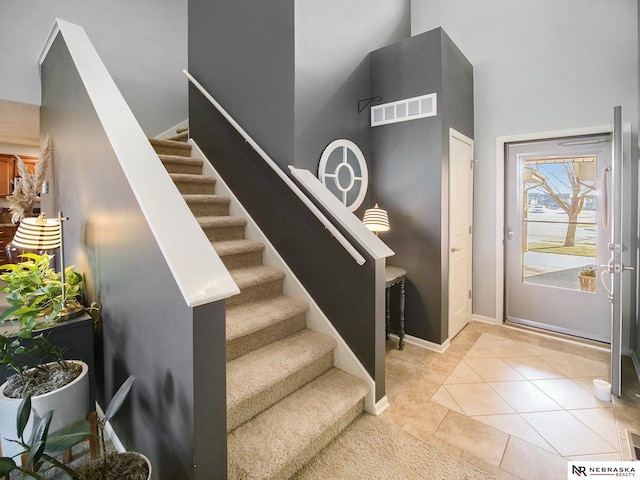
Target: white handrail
point(360, 260)
point(198, 271)
point(352, 224)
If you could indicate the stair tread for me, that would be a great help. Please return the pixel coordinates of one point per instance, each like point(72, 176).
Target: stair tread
point(170, 143)
point(192, 177)
point(246, 319)
point(234, 247)
point(248, 277)
point(180, 159)
point(205, 198)
point(220, 221)
point(286, 432)
point(255, 372)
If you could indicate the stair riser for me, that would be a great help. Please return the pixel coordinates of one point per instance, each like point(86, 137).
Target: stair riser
point(238, 414)
point(288, 326)
point(209, 209)
point(202, 188)
point(256, 293)
point(220, 234)
point(170, 150)
point(183, 168)
point(242, 260)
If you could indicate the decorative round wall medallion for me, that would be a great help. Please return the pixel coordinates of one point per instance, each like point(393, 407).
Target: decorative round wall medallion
point(343, 170)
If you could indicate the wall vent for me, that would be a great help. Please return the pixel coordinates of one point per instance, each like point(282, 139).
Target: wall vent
point(404, 110)
point(634, 443)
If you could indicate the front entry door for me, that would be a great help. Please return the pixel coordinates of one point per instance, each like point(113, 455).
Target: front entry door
point(555, 243)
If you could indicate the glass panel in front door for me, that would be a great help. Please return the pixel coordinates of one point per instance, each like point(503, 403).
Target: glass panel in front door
point(559, 221)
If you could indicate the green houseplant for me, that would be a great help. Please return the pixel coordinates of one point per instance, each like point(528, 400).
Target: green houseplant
point(34, 295)
point(36, 303)
point(43, 446)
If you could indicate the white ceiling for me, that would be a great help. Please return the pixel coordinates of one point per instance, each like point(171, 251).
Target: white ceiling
point(19, 123)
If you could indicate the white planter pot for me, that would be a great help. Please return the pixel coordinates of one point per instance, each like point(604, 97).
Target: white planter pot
point(69, 403)
point(148, 464)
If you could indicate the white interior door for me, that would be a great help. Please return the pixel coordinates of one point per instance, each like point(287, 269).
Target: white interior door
point(460, 228)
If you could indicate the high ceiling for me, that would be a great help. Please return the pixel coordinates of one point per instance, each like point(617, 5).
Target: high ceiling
point(19, 123)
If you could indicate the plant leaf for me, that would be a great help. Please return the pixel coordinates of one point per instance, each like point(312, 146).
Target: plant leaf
point(118, 398)
point(39, 438)
point(68, 436)
point(24, 412)
point(6, 465)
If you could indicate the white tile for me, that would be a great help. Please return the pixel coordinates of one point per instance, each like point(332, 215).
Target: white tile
point(576, 366)
point(525, 397)
point(569, 394)
point(479, 351)
point(533, 368)
point(515, 425)
point(493, 369)
point(601, 421)
point(463, 373)
point(478, 399)
point(505, 347)
point(567, 434)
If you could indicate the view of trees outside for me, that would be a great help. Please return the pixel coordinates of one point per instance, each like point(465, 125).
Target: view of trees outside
point(559, 212)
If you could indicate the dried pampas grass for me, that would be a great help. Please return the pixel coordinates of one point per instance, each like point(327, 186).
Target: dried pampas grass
point(29, 187)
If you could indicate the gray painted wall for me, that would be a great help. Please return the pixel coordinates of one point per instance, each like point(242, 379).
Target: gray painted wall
point(538, 66)
point(142, 43)
point(410, 168)
point(147, 328)
point(244, 57)
point(291, 72)
point(332, 42)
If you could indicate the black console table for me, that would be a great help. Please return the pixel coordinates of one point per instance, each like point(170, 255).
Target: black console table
point(394, 276)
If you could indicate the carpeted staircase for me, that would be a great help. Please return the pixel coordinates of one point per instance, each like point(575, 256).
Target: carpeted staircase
point(285, 400)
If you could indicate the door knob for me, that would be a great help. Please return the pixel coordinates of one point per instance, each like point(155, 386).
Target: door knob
point(454, 249)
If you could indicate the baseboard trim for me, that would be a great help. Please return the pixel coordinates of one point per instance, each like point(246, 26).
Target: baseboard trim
point(426, 344)
point(483, 319)
point(381, 406)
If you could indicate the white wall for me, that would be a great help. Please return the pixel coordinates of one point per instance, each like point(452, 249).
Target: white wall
point(539, 65)
point(143, 44)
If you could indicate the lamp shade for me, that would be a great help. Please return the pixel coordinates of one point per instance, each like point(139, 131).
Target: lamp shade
point(37, 234)
point(376, 219)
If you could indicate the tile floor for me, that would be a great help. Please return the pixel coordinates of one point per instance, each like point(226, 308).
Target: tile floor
point(515, 404)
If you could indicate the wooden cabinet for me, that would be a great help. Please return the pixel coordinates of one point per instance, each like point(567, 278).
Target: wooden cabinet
point(9, 170)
